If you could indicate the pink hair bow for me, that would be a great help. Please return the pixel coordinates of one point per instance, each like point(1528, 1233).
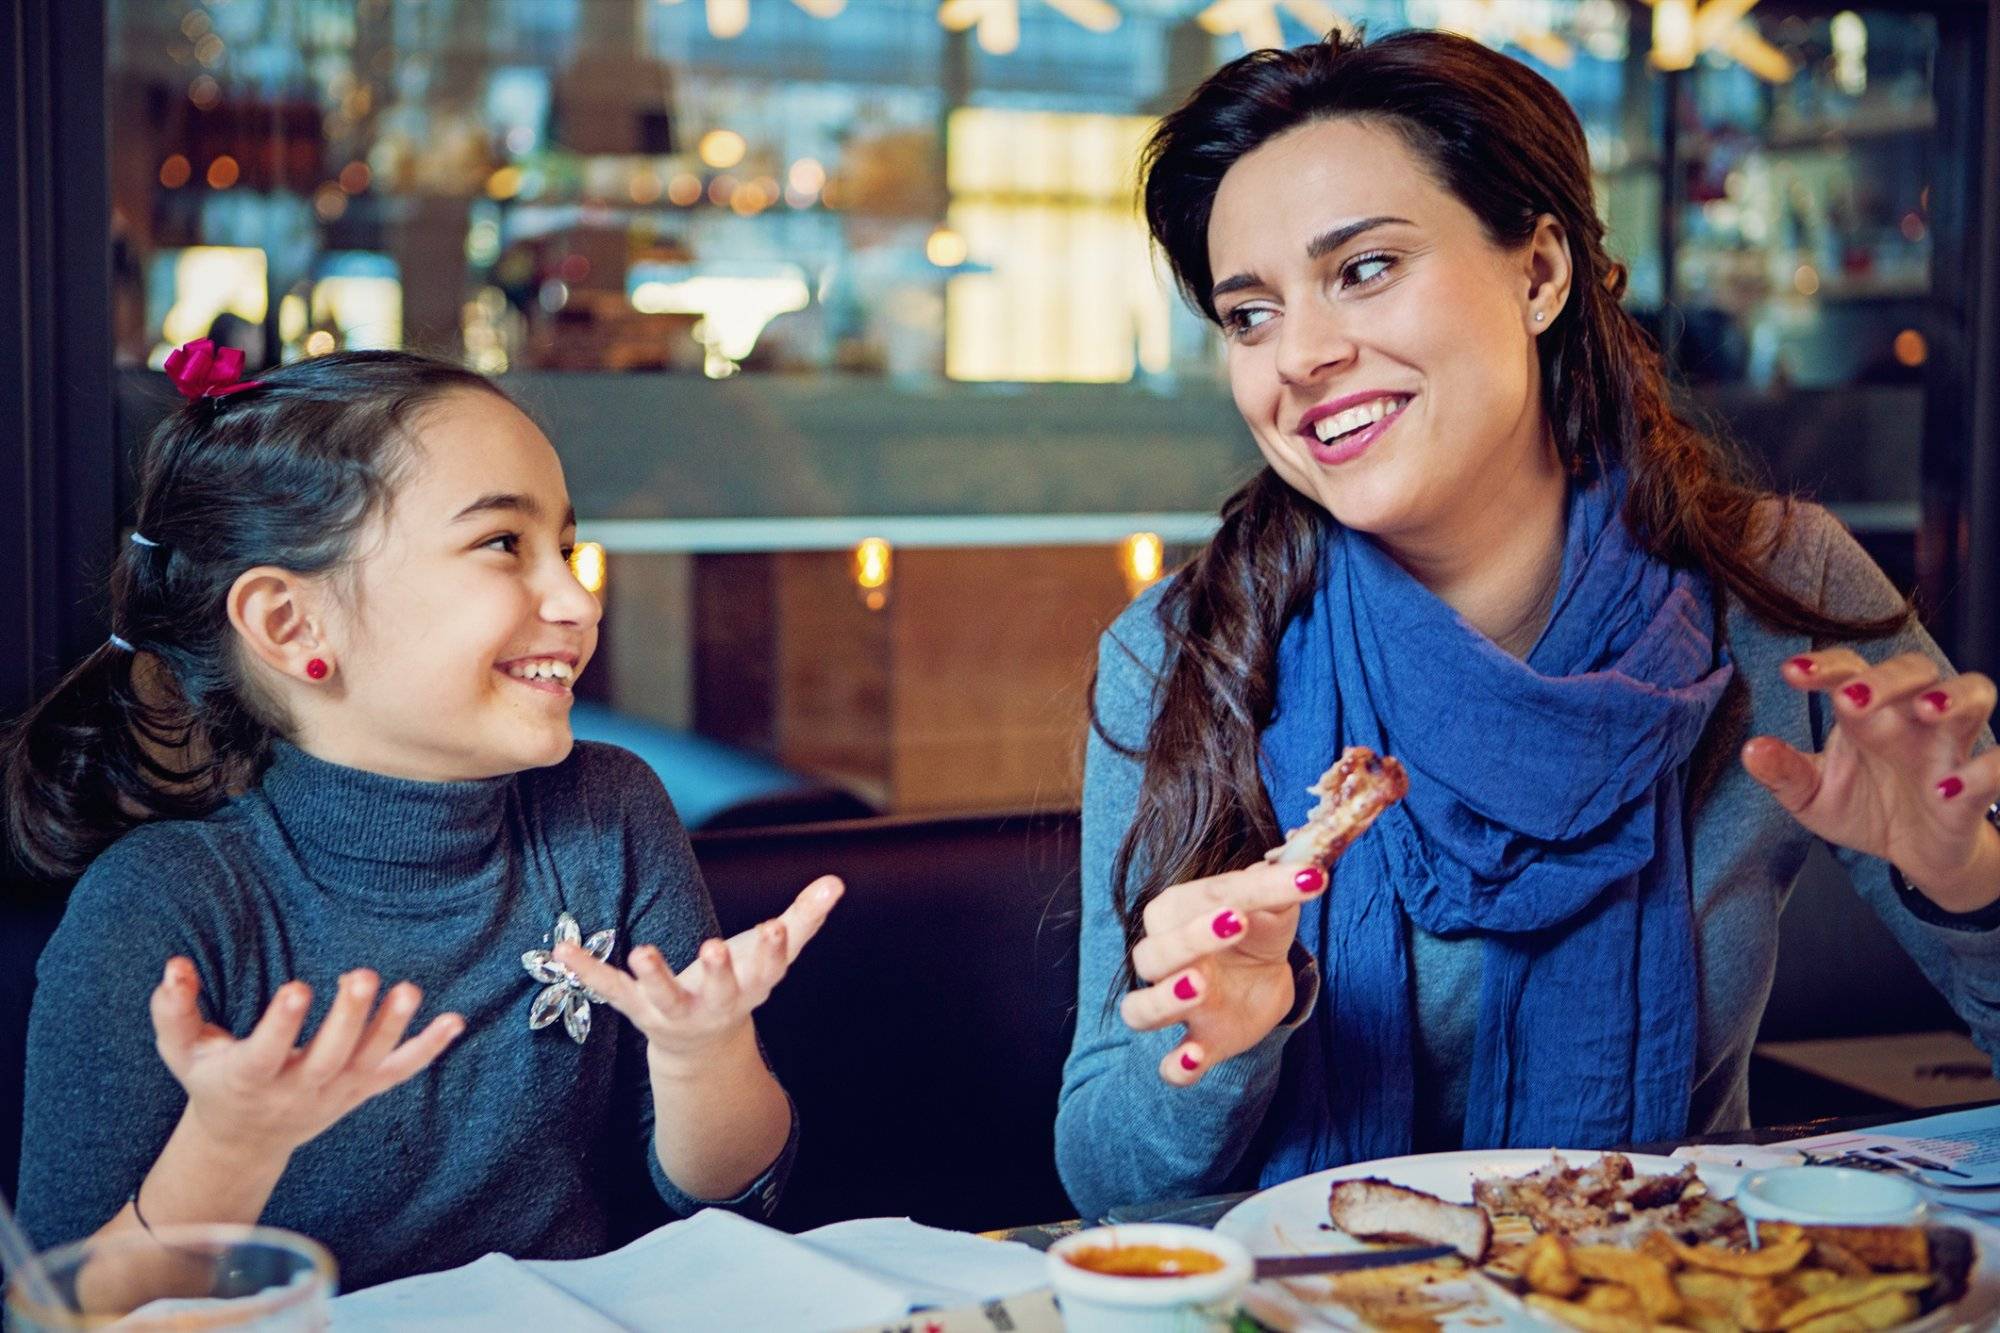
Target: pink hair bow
point(201, 370)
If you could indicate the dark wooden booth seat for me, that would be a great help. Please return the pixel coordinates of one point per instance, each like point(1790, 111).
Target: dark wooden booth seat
point(923, 1032)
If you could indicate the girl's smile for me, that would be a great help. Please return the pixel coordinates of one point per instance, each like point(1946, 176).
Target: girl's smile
point(546, 673)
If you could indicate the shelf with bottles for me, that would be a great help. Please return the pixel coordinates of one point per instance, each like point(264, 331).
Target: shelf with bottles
point(1873, 120)
point(1856, 276)
point(1835, 137)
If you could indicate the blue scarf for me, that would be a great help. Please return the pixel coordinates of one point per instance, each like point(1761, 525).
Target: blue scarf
point(1545, 815)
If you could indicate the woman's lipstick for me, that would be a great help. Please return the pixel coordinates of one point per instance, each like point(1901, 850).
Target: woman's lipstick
point(1346, 448)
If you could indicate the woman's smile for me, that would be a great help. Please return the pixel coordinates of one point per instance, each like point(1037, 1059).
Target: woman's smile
point(1343, 430)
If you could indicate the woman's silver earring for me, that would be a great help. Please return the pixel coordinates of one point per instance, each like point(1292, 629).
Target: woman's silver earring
point(1541, 315)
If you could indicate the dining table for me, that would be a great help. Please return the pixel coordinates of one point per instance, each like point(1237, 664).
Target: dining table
point(918, 1279)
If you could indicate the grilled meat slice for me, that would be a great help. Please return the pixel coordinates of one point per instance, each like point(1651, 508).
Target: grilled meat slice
point(1373, 1209)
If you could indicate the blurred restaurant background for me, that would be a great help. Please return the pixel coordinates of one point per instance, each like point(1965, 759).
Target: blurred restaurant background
point(875, 406)
point(877, 409)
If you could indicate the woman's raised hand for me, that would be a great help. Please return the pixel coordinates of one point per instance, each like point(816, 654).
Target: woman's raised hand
point(1897, 779)
point(1216, 957)
point(266, 1094)
point(687, 1015)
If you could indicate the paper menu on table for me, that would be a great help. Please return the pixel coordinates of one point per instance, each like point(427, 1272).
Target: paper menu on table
point(467, 1300)
point(1959, 1148)
point(718, 1270)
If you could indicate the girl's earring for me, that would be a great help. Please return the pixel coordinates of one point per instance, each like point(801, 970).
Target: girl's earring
point(1541, 315)
point(317, 668)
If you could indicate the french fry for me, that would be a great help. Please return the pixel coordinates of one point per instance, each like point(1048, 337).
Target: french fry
point(1771, 1261)
point(1884, 1249)
point(1643, 1273)
point(1705, 1321)
point(1661, 1247)
point(1835, 1258)
point(1722, 1291)
point(1612, 1299)
point(1763, 1305)
point(1849, 1293)
point(1547, 1267)
point(1883, 1312)
point(1591, 1321)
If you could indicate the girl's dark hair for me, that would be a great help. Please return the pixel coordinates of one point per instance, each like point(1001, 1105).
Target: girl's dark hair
point(283, 474)
point(1503, 141)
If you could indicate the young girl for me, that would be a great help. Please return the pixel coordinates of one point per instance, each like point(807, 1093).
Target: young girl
point(329, 745)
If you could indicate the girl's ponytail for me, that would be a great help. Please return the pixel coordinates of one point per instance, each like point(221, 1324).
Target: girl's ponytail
point(165, 720)
point(89, 761)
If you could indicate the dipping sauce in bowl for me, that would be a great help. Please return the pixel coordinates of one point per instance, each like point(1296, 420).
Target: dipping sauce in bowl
point(1145, 1260)
point(1148, 1277)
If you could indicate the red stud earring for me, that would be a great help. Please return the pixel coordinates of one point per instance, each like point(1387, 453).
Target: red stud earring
point(317, 668)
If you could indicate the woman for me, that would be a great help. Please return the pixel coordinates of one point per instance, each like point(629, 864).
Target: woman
point(1486, 544)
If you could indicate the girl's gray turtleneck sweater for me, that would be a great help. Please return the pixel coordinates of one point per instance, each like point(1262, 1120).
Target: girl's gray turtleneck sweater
point(519, 1141)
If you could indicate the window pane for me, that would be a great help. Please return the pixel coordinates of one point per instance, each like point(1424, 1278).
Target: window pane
point(779, 276)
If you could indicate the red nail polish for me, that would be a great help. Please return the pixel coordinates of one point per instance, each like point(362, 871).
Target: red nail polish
point(1950, 787)
point(1226, 925)
point(1189, 1062)
point(1184, 988)
point(1858, 694)
point(1938, 699)
point(1804, 664)
point(1310, 880)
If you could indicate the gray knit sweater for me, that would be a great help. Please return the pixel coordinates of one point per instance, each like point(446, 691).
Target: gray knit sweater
point(1746, 852)
point(517, 1141)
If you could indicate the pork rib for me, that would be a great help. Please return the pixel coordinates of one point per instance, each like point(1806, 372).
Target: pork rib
point(1359, 786)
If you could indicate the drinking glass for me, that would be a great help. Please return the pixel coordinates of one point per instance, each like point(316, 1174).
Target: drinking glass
point(181, 1278)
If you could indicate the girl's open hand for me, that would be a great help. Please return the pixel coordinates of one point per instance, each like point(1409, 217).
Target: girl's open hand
point(1897, 779)
point(686, 1016)
point(266, 1094)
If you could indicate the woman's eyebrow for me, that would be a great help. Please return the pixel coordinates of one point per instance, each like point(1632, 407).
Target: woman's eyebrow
point(1333, 238)
point(1234, 284)
point(1317, 248)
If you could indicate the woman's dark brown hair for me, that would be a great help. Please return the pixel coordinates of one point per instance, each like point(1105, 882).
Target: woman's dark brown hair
point(1503, 141)
point(286, 474)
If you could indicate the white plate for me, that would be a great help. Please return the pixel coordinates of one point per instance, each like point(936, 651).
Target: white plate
point(1291, 1219)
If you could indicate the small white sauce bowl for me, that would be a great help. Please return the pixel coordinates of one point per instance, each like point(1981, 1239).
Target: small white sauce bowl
point(1101, 1303)
point(1829, 1196)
